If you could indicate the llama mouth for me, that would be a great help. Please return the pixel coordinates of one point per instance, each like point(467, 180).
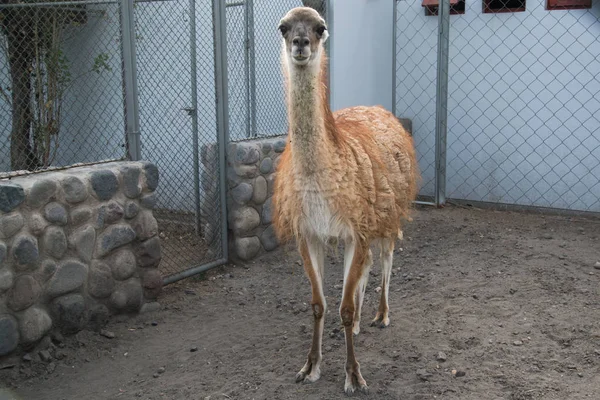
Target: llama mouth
point(300, 60)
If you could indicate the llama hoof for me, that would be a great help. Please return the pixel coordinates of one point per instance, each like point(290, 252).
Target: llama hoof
point(311, 371)
point(354, 385)
point(381, 321)
point(364, 389)
point(355, 381)
point(300, 376)
point(312, 377)
point(349, 390)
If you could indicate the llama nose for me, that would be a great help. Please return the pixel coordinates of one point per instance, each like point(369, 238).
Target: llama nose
point(301, 41)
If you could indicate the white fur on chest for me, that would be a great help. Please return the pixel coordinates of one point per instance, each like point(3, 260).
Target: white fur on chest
point(317, 218)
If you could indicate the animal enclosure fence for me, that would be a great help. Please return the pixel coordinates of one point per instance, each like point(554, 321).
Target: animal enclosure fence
point(505, 100)
point(89, 80)
point(61, 97)
point(169, 81)
point(255, 82)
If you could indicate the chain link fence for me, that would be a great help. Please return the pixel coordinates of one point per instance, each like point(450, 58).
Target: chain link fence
point(239, 51)
point(82, 81)
point(177, 97)
point(61, 90)
point(255, 84)
point(523, 100)
point(416, 78)
point(161, 80)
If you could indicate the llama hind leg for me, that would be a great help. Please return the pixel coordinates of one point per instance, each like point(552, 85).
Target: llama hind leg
point(382, 318)
point(355, 256)
point(313, 255)
point(360, 292)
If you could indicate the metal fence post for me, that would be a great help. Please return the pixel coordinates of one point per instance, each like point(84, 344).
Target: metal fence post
point(394, 40)
point(250, 69)
point(441, 112)
point(220, 46)
point(128, 52)
point(193, 112)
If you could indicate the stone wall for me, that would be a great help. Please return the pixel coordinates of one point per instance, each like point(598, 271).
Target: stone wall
point(76, 246)
point(251, 169)
point(250, 174)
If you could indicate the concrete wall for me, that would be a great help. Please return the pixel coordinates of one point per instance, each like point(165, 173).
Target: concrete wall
point(362, 50)
point(523, 107)
point(76, 246)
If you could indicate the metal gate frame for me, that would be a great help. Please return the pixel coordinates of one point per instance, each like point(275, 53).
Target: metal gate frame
point(220, 68)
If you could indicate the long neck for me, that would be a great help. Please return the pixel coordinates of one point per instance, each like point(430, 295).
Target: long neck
point(312, 135)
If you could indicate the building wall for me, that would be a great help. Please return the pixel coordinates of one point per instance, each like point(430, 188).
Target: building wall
point(362, 49)
point(523, 104)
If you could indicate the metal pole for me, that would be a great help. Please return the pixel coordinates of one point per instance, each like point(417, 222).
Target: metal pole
point(220, 43)
point(193, 112)
point(394, 43)
point(132, 119)
point(441, 112)
point(252, 69)
point(193, 271)
point(247, 67)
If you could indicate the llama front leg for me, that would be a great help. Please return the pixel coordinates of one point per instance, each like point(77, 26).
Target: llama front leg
point(355, 256)
point(360, 292)
point(313, 255)
point(382, 318)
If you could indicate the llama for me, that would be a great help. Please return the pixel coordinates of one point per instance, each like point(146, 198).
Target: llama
point(349, 175)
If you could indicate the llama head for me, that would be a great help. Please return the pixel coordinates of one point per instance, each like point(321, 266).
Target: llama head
point(304, 31)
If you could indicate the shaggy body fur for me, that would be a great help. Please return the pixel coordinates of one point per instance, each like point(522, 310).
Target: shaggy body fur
point(349, 175)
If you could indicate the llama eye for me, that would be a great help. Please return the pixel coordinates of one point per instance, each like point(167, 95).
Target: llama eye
point(320, 30)
point(283, 29)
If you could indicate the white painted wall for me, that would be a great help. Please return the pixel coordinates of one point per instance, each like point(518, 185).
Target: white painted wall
point(361, 58)
point(524, 107)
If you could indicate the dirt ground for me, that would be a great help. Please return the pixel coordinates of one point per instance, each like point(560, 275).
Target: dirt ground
point(511, 299)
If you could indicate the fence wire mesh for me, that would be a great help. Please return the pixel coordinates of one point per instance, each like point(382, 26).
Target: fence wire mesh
point(256, 94)
point(238, 68)
point(178, 119)
point(524, 105)
point(523, 99)
point(416, 78)
point(61, 92)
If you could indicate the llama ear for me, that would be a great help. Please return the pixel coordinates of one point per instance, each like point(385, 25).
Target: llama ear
point(283, 29)
point(322, 33)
